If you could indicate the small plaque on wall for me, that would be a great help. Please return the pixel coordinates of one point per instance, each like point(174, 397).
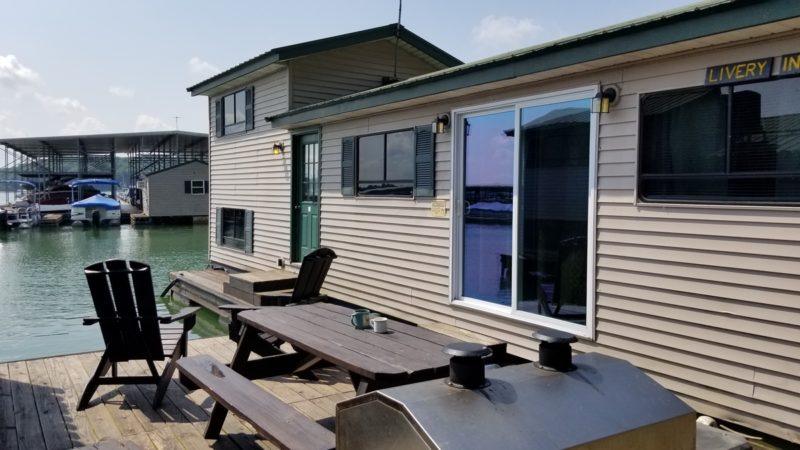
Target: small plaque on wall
point(439, 208)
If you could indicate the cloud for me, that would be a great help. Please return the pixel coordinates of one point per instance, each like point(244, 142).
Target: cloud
point(505, 33)
point(59, 105)
point(89, 125)
point(13, 74)
point(200, 67)
point(149, 123)
point(121, 91)
point(7, 131)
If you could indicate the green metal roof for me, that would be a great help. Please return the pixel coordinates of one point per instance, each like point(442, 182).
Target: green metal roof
point(690, 22)
point(286, 53)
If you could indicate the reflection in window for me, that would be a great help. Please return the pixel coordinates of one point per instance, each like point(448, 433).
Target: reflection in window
point(386, 164)
point(689, 154)
point(488, 206)
point(554, 187)
point(233, 228)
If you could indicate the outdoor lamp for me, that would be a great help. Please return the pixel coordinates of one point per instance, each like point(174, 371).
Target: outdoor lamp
point(277, 148)
point(604, 99)
point(440, 124)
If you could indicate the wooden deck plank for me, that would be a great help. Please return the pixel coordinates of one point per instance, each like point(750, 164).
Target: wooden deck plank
point(8, 432)
point(179, 425)
point(76, 421)
point(103, 426)
point(54, 428)
point(26, 418)
point(112, 400)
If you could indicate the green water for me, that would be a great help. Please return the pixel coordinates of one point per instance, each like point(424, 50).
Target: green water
point(43, 293)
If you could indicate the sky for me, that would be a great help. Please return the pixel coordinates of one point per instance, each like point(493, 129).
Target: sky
point(105, 66)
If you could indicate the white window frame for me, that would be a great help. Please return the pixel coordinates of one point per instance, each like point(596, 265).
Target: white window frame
point(456, 218)
point(194, 187)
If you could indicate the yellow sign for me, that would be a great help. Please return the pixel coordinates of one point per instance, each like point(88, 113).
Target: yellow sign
point(790, 64)
point(757, 69)
point(439, 208)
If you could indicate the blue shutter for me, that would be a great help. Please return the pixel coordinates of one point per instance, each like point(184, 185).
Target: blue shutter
point(187, 187)
point(424, 162)
point(348, 166)
point(219, 114)
point(248, 231)
point(248, 109)
point(219, 226)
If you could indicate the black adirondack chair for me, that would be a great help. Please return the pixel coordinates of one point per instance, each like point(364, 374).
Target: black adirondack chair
point(313, 271)
point(122, 292)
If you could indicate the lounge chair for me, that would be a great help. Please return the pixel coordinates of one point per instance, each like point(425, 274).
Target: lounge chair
point(122, 292)
point(313, 271)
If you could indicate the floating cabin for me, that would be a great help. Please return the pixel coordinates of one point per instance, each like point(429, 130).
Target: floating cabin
point(176, 193)
point(638, 186)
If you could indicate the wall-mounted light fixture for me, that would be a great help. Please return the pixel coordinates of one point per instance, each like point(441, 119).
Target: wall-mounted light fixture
point(604, 99)
point(441, 124)
point(277, 148)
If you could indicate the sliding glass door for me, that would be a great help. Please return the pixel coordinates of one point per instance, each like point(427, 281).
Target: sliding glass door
point(524, 232)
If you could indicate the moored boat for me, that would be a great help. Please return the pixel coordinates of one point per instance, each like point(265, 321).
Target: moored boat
point(96, 210)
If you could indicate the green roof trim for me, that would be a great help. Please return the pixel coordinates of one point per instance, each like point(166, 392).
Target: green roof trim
point(691, 22)
point(320, 45)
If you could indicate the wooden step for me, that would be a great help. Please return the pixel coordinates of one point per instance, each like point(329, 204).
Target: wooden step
point(262, 280)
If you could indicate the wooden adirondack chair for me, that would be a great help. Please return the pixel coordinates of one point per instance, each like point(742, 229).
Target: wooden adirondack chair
point(122, 292)
point(313, 271)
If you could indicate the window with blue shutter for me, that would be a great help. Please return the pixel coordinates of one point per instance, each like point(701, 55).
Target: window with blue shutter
point(235, 228)
point(235, 112)
point(392, 164)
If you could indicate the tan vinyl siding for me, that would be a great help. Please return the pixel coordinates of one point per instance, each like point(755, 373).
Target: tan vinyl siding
point(166, 193)
point(356, 68)
point(246, 175)
point(271, 97)
point(705, 299)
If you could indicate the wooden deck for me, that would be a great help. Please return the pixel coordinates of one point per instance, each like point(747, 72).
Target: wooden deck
point(38, 399)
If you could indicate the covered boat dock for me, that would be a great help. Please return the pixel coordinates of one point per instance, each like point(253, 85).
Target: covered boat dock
point(57, 159)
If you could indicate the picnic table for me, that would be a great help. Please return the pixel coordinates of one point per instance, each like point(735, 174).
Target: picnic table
point(322, 333)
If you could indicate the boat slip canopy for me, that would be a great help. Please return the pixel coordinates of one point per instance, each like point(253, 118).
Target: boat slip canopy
point(85, 181)
point(97, 201)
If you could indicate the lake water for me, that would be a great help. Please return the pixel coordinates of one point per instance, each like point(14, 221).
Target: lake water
point(43, 292)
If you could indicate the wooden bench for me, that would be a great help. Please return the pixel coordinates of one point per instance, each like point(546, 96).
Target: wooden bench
point(269, 415)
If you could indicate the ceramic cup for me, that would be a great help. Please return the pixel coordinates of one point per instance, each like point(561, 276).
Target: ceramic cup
point(360, 319)
point(379, 324)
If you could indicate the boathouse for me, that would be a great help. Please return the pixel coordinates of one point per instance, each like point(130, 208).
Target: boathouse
point(177, 192)
point(638, 186)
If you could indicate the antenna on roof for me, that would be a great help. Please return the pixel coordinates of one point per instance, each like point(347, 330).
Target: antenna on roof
point(176, 122)
point(397, 37)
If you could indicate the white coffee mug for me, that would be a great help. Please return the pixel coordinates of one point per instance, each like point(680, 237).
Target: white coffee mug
point(379, 324)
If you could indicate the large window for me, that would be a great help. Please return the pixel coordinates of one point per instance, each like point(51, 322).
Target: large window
point(386, 164)
point(523, 234)
point(722, 144)
point(234, 112)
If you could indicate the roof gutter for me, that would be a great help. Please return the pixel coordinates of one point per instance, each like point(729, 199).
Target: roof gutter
point(699, 21)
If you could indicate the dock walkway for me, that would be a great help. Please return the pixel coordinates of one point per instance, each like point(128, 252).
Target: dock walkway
point(38, 399)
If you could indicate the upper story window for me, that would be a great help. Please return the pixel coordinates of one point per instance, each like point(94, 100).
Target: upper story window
point(395, 163)
point(728, 144)
point(234, 112)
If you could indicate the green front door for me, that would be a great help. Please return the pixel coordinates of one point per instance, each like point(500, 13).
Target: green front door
point(305, 195)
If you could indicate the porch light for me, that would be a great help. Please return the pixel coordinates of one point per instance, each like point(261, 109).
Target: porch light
point(441, 123)
point(277, 148)
point(604, 99)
